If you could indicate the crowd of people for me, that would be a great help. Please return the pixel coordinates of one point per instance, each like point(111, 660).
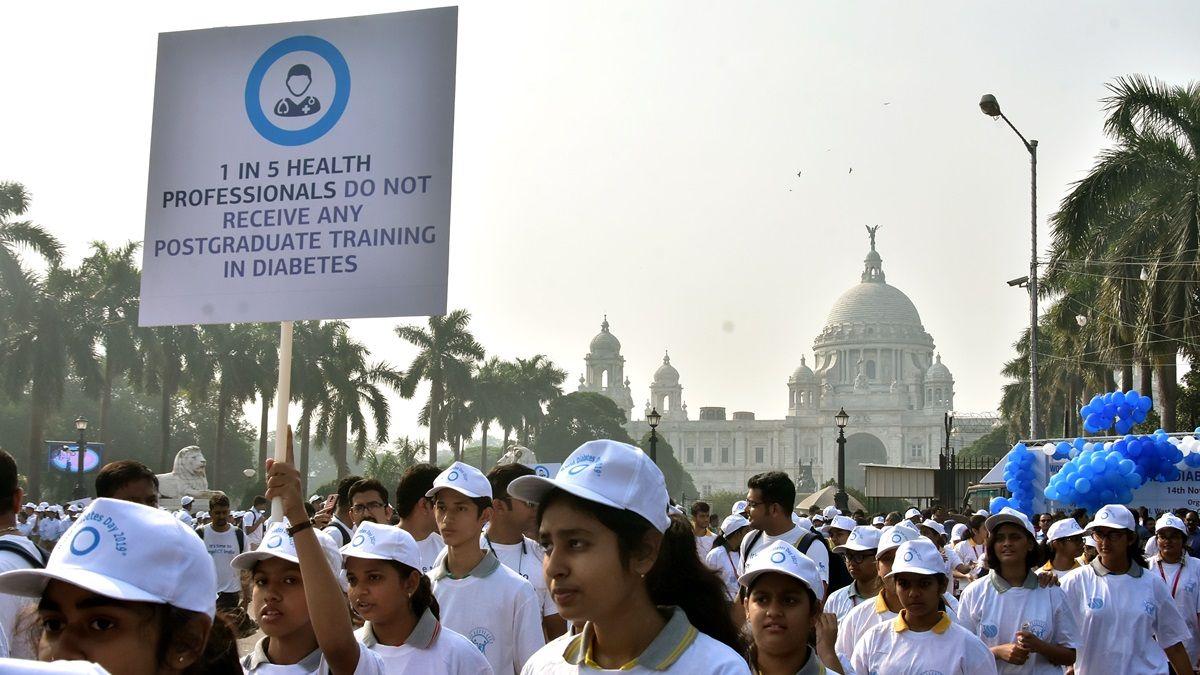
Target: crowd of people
point(592, 570)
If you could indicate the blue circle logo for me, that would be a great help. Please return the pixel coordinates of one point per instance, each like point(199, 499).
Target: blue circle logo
point(541, 471)
point(1104, 515)
point(358, 541)
point(341, 96)
point(908, 556)
point(275, 541)
point(78, 548)
point(578, 469)
point(453, 476)
point(897, 538)
point(778, 557)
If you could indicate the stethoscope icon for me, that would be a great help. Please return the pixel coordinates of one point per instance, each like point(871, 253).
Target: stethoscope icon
point(520, 561)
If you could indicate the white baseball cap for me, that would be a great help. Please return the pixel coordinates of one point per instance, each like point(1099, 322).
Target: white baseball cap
point(277, 543)
point(843, 523)
point(1009, 515)
point(732, 524)
point(910, 525)
point(912, 513)
point(1170, 520)
point(1060, 529)
point(817, 518)
point(862, 538)
point(959, 532)
point(1088, 541)
point(803, 523)
point(606, 472)
point(919, 556)
point(878, 520)
point(830, 512)
point(892, 537)
point(187, 499)
point(934, 525)
point(109, 550)
point(464, 479)
point(982, 512)
point(383, 542)
point(31, 505)
point(16, 666)
point(783, 558)
point(1114, 516)
point(739, 507)
point(44, 505)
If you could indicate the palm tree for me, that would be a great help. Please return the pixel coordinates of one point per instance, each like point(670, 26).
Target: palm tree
point(105, 291)
point(447, 350)
point(349, 384)
point(39, 352)
point(312, 347)
point(17, 285)
point(490, 388)
point(537, 383)
point(1151, 178)
point(242, 353)
point(175, 357)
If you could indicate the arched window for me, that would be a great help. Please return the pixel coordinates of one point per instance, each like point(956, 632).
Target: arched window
point(604, 378)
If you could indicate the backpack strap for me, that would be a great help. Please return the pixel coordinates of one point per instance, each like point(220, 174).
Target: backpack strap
point(38, 562)
point(241, 538)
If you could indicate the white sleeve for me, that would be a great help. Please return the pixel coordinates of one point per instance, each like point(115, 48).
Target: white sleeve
point(1066, 629)
point(967, 610)
point(820, 555)
point(979, 659)
point(369, 662)
point(527, 627)
point(1169, 626)
point(846, 639)
point(860, 661)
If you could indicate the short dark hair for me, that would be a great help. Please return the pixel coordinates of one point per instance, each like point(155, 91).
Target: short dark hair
point(776, 487)
point(115, 475)
point(976, 522)
point(8, 482)
point(503, 474)
point(343, 490)
point(367, 485)
point(413, 485)
point(220, 499)
point(700, 507)
point(259, 499)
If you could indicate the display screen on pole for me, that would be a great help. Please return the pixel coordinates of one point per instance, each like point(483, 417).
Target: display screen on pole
point(301, 171)
point(64, 456)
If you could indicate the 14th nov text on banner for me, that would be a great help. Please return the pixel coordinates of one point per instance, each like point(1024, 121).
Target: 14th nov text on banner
point(301, 171)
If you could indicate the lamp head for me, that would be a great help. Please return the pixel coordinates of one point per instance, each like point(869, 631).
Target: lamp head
point(81, 423)
point(841, 419)
point(989, 105)
point(653, 418)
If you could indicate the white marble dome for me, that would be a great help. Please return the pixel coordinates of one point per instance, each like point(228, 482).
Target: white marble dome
point(666, 373)
point(605, 343)
point(938, 372)
point(804, 374)
point(874, 302)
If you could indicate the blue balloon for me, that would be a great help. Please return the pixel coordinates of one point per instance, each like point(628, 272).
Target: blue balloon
point(1083, 485)
point(1126, 466)
point(1145, 404)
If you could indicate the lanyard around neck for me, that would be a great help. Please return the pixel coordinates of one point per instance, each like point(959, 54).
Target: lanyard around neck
point(520, 560)
point(1178, 573)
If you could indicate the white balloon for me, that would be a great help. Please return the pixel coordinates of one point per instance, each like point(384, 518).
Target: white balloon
point(1048, 449)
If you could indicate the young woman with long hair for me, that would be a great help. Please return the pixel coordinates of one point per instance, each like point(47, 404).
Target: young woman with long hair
point(620, 566)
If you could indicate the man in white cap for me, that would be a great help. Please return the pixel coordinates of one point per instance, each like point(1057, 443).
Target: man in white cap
point(184, 514)
point(771, 496)
point(922, 638)
point(50, 526)
point(481, 599)
point(912, 515)
point(857, 552)
point(1181, 573)
point(1065, 539)
point(877, 522)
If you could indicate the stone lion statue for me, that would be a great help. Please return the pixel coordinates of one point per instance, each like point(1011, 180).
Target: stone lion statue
point(187, 477)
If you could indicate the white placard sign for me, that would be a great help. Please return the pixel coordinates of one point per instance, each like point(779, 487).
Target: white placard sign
point(301, 171)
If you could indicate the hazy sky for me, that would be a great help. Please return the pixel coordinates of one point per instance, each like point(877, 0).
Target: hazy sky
point(640, 159)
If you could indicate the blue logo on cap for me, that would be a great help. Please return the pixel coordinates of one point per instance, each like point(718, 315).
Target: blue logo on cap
point(909, 555)
point(778, 557)
point(453, 476)
point(275, 541)
point(86, 547)
point(897, 538)
point(1104, 515)
point(358, 541)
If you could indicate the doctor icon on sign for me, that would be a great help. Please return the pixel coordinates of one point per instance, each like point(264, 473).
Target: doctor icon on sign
point(299, 79)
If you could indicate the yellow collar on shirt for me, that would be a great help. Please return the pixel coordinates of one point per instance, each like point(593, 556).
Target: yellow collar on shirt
point(940, 627)
point(1049, 566)
point(881, 604)
point(670, 644)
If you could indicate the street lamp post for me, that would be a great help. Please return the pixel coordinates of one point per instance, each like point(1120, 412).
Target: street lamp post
point(991, 107)
point(841, 500)
point(81, 424)
point(653, 418)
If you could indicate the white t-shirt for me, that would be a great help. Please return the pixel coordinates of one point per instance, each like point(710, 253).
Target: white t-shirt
point(24, 667)
point(969, 552)
point(430, 648)
point(816, 551)
point(223, 546)
point(865, 616)
point(679, 649)
point(430, 547)
point(50, 529)
point(253, 539)
point(256, 663)
point(494, 608)
point(184, 517)
point(1183, 581)
point(526, 560)
point(844, 599)
point(11, 606)
point(704, 544)
point(339, 531)
point(947, 648)
point(1119, 616)
point(725, 562)
point(994, 616)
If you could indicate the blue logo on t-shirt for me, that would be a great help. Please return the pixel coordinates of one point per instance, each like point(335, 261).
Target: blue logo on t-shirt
point(481, 638)
point(1096, 603)
point(990, 631)
point(1149, 608)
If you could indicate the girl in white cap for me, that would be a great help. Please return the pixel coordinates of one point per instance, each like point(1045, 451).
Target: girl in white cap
point(1181, 573)
point(388, 590)
point(859, 554)
point(296, 597)
point(922, 639)
point(620, 566)
point(783, 608)
point(1128, 623)
point(1028, 628)
point(723, 558)
point(131, 590)
point(1064, 540)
